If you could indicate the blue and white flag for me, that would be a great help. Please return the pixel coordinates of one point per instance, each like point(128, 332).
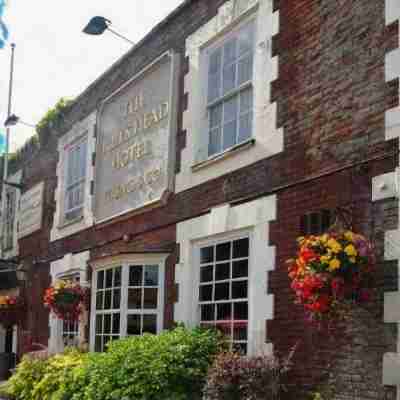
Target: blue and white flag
point(3, 27)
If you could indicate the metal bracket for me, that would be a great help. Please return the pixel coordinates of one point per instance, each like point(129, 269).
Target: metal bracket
point(19, 186)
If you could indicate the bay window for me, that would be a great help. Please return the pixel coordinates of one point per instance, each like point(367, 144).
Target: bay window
point(128, 301)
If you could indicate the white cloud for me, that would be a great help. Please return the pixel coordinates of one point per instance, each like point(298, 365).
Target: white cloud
point(55, 59)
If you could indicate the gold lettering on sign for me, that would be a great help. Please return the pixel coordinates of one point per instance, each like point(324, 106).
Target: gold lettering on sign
point(139, 183)
point(135, 104)
point(137, 125)
point(136, 151)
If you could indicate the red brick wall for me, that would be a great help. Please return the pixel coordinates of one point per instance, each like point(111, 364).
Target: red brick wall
point(331, 96)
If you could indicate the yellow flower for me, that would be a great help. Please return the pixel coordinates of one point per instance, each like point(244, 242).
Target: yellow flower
point(352, 260)
point(324, 238)
point(350, 250)
point(334, 264)
point(325, 259)
point(334, 245)
point(349, 236)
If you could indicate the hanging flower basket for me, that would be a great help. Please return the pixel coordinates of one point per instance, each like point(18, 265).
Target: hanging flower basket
point(330, 272)
point(67, 300)
point(11, 310)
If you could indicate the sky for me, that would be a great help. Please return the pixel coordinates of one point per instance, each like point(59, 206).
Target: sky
point(54, 59)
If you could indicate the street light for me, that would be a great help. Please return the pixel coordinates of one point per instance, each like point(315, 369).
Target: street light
point(98, 25)
point(13, 120)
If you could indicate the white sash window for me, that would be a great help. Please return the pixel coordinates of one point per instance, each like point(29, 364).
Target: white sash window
point(230, 91)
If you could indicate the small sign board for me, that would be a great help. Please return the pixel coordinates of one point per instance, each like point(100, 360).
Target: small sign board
point(30, 211)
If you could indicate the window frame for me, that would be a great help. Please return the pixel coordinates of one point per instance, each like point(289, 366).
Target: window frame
point(207, 51)
point(214, 241)
point(126, 262)
point(68, 148)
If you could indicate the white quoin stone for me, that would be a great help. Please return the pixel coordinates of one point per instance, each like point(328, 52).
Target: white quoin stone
point(386, 186)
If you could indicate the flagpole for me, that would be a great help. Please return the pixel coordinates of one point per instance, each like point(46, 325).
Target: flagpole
point(7, 148)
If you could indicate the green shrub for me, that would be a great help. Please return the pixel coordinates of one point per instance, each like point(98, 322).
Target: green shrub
point(170, 366)
point(5, 391)
point(29, 372)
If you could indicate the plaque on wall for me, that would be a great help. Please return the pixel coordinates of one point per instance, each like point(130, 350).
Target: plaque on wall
point(136, 131)
point(30, 211)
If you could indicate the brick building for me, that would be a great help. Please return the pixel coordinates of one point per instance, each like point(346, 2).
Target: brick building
point(176, 184)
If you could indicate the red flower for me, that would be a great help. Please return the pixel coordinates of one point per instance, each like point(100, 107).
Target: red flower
point(308, 255)
point(337, 286)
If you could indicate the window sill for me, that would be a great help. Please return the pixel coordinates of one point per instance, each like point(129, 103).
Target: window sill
point(69, 223)
point(222, 156)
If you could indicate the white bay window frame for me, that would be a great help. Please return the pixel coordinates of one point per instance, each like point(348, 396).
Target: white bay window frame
point(126, 261)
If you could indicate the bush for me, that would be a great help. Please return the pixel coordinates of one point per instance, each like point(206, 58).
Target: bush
point(172, 365)
point(29, 372)
point(236, 377)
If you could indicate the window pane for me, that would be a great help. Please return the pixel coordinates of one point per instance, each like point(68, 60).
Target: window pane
point(116, 322)
point(151, 275)
point(150, 324)
point(230, 110)
point(99, 324)
point(240, 311)
point(245, 69)
point(207, 255)
point(222, 271)
point(239, 290)
point(224, 311)
point(135, 275)
point(230, 131)
point(208, 312)
point(107, 323)
point(206, 293)
point(241, 248)
point(222, 291)
point(206, 274)
point(223, 251)
point(116, 299)
point(98, 345)
point(107, 299)
point(117, 277)
point(135, 299)
point(214, 85)
point(214, 145)
point(246, 101)
point(150, 299)
point(240, 331)
point(99, 300)
point(133, 326)
point(109, 278)
point(240, 269)
point(215, 116)
point(215, 62)
point(246, 39)
point(230, 51)
point(100, 280)
point(245, 127)
point(229, 78)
